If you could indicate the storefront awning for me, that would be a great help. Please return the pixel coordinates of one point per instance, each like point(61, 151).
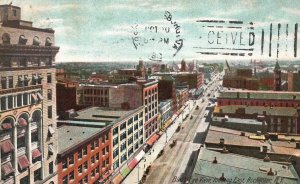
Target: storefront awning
point(50, 149)
point(118, 179)
point(132, 163)
point(7, 146)
point(40, 96)
point(125, 171)
point(36, 153)
point(7, 169)
point(140, 155)
point(23, 162)
point(6, 126)
point(22, 122)
point(152, 139)
point(34, 97)
point(51, 130)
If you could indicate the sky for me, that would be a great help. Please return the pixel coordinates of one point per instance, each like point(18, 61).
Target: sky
point(120, 30)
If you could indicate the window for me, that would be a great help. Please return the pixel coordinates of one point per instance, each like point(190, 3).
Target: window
point(10, 102)
point(71, 160)
point(49, 79)
point(115, 141)
point(115, 130)
point(49, 94)
point(65, 180)
point(71, 176)
point(84, 151)
point(123, 126)
point(51, 168)
point(26, 80)
point(10, 82)
point(50, 111)
point(79, 154)
point(115, 153)
point(85, 165)
point(64, 164)
point(79, 169)
point(15, 12)
point(107, 149)
point(6, 38)
point(136, 117)
point(4, 83)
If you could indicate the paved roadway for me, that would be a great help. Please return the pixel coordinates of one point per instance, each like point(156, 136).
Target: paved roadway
point(177, 162)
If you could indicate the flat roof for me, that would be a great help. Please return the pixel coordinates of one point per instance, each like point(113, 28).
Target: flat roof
point(275, 111)
point(269, 95)
point(104, 115)
point(70, 136)
point(238, 121)
point(239, 167)
point(231, 137)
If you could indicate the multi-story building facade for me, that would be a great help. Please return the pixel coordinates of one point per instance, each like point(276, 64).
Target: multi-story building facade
point(259, 98)
point(294, 81)
point(126, 136)
point(150, 102)
point(84, 154)
point(278, 119)
point(166, 113)
point(110, 95)
point(27, 100)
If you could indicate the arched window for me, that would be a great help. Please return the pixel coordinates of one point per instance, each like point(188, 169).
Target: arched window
point(7, 147)
point(22, 40)
point(22, 143)
point(36, 41)
point(48, 41)
point(6, 38)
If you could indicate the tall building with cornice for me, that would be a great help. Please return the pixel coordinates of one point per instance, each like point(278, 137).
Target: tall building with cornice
point(28, 138)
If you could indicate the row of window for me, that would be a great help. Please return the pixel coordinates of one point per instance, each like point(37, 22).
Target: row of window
point(23, 80)
point(149, 92)
point(23, 40)
point(95, 91)
point(8, 61)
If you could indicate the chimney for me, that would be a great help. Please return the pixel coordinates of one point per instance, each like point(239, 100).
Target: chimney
point(215, 161)
point(222, 178)
point(270, 173)
point(297, 145)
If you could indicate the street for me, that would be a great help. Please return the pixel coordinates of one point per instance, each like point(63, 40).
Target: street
point(176, 163)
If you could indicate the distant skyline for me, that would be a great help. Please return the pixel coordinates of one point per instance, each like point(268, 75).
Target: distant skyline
point(102, 30)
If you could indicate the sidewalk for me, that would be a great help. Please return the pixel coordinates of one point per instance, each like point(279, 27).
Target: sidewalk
point(137, 173)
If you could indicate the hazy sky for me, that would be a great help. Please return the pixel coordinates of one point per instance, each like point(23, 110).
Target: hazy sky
point(103, 30)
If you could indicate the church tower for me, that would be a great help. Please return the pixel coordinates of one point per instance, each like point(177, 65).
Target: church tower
point(277, 77)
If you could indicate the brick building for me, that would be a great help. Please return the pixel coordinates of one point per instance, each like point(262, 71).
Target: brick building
point(193, 80)
point(260, 98)
point(182, 96)
point(294, 81)
point(126, 136)
point(277, 119)
point(110, 95)
point(150, 102)
point(27, 100)
point(84, 154)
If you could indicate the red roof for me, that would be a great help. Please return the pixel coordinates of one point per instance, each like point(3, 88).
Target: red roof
point(7, 146)
point(23, 162)
point(36, 153)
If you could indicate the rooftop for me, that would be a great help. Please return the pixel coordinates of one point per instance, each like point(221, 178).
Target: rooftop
point(104, 115)
point(231, 137)
point(245, 94)
point(70, 136)
point(259, 110)
point(236, 167)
